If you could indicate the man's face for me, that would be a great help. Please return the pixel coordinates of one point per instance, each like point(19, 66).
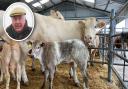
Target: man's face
point(18, 22)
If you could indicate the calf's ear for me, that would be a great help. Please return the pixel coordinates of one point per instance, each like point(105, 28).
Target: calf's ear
point(42, 44)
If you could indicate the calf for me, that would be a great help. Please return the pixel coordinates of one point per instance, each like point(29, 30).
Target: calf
point(69, 51)
point(12, 58)
point(37, 52)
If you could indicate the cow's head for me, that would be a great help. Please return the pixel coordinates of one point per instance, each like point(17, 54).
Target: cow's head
point(90, 27)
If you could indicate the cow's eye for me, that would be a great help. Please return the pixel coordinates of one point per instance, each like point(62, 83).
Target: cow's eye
point(90, 38)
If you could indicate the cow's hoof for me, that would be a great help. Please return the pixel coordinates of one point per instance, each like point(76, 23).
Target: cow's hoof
point(7, 87)
point(42, 87)
point(77, 84)
point(92, 64)
point(26, 84)
point(42, 72)
point(33, 69)
point(14, 78)
point(86, 88)
point(70, 76)
point(18, 87)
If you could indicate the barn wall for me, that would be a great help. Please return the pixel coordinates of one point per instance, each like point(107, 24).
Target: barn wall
point(70, 11)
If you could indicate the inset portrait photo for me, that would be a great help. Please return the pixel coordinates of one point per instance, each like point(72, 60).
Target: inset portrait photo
point(18, 21)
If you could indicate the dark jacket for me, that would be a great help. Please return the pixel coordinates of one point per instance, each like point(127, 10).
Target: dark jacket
point(19, 35)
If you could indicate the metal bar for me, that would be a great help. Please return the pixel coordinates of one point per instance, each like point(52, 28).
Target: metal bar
point(95, 4)
point(75, 8)
point(125, 80)
point(124, 71)
point(124, 60)
point(107, 63)
point(102, 34)
point(81, 18)
point(97, 48)
point(120, 56)
point(116, 35)
point(49, 8)
point(118, 13)
point(119, 34)
point(110, 47)
point(89, 7)
point(52, 2)
point(119, 77)
point(107, 5)
point(121, 49)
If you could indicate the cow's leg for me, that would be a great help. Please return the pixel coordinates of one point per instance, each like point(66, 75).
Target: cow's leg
point(74, 68)
point(93, 55)
point(7, 76)
point(83, 69)
point(2, 73)
point(1, 76)
point(24, 75)
point(12, 70)
point(51, 77)
point(18, 72)
point(33, 63)
point(42, 68)
point(46, 75)
point(71, 69)
point(42, 65)
point(71, 72)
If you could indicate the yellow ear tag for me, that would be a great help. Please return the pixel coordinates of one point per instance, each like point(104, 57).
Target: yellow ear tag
point(29, 46)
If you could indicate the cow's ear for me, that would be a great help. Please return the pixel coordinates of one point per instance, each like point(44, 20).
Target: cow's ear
point(101, 24)
point(29, 42)
point(42, 44)
point(82, 23)
point(52, 11)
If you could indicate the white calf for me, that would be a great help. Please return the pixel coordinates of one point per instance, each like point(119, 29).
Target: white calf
point(70, 50)
point(12, 58)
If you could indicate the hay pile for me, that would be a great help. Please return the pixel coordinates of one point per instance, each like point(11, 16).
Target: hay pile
point(97, 80)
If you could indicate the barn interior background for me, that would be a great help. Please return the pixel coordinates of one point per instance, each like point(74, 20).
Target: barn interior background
point(114, 12)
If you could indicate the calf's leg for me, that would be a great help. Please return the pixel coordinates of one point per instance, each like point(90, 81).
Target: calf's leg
point(51, 77)
point(2, 73)
point(7, 76)
point(83, 69)
point(33, 63)
point(46, 75)
point(74, 69)
point(18, 72)
point(24, 75)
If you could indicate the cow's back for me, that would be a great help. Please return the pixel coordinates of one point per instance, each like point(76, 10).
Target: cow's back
point(50, 29)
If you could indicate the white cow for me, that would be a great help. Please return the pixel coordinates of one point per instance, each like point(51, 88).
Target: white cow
point(49, 29)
